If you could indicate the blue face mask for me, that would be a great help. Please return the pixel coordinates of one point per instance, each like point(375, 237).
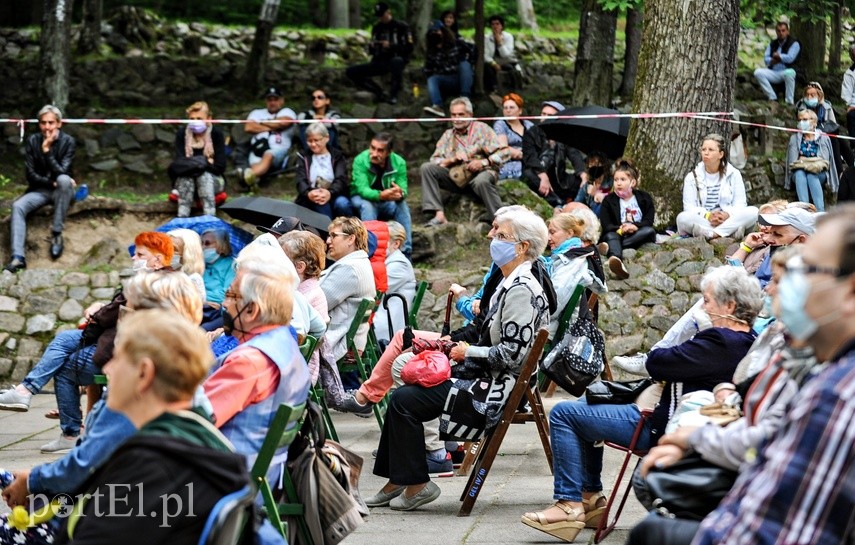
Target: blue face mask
point(804, 125)
point(811, 102)
point(793, 292)
point(197, 126)
point(502, 252)
point(767, 306)
point(210, 255)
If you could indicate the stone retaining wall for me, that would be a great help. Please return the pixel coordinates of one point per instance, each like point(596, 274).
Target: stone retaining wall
point(634, 314)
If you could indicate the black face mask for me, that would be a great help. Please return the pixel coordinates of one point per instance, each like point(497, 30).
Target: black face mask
point(229, 320)
point(596, 171)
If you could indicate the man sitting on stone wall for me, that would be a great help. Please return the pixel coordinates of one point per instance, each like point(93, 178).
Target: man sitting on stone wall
point(47, 159)
point(781, 55)
point(271, 130)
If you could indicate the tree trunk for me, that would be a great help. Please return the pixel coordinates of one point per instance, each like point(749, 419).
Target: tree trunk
point(666, 149)
point(90, 31)
point(339, 14)
point(319, 13)
point(634, 20)
point(256, 64)
point(354, 14)
point(811, 36)
point(55, 51)
point(595, 55)
point(418, 15)
point(478, 88)
point(836, 37)
point(525, 9)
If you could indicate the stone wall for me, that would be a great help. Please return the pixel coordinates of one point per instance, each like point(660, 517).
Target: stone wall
point(634, 314)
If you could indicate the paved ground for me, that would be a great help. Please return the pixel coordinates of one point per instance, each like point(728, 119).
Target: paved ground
point(519, 481)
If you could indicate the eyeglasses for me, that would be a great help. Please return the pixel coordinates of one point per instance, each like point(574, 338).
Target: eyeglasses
point(208, 243)
point(797, 264)
point(125, 310)
point(333, 235)
point(505, 238)
point(318, 97)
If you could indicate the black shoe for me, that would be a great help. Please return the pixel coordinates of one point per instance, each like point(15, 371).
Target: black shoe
point(56, 247)
point(16, 265)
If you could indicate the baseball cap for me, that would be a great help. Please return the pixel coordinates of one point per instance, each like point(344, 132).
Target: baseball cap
point(272, 92)
point(799, 218)
point(554, 104)
point(283, 225)
point(436, 25)
point(380, 8)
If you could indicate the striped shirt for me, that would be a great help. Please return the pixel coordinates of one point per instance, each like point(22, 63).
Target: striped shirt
point(801, 489)
point(713, 182)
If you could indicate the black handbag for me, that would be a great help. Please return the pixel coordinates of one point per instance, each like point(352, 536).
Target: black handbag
point(691, 488)
point(614, 392)
point(189, 167)
point(577, 359)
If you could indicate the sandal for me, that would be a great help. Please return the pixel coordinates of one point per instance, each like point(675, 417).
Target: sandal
point(566, 529)
point(53, 414)
point(594, 506)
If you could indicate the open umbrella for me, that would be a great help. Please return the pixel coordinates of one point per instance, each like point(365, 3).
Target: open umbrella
point(606, 134)
point(237, 236)
point(264, 211)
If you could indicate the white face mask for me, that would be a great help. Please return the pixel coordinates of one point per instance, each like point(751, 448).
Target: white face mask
point(139, 265)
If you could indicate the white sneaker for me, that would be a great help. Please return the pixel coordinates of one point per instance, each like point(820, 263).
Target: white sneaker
point(249, 177)
point(60, 446)
point(702, 232)
point(11, 400)
point(632, 364)
point(435, 110)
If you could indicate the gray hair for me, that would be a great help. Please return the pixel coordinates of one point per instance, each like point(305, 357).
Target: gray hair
point(396, 231)
point(508, 209)
point(50, 109)
point(269, 283)
point(467, 104)
point(734, 285)
point(224, 246)
point(317, 129)
point(168, 291)
point(527, 227)
point(591, 233)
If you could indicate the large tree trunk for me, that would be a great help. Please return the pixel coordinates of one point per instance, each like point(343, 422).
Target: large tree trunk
point(666, 149)
point(256, 64)
point(811, 36)
point(354, 14)
point(418, 15)
point(55, 51)
point(595, 55)
point(525, 9)
point(479, 46)
point(90, 31)
point(836, 37)
point(339, 14)
point(634, 21)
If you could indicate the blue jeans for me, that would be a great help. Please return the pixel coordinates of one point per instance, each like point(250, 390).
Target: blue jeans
point(459, 83)
point(386, 210)
point(574, 428)
point(809, 182)
point(55, 355)
point(336, 208)
point(78, 370)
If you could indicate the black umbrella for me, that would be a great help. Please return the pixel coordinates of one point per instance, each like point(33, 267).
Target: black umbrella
point(606, 134)
point(265, 212)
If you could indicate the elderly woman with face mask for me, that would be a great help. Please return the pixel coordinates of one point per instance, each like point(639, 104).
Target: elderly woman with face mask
point(200, 146)
point(810, 162)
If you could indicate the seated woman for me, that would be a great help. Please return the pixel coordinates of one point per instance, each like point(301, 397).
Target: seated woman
point(319, 110)
point(72, 356)
point(814, 99)
point(626, 216)
point(599, 183)
point(308, 254)
point(447, 67)
point(714, 202)
point(188, 257)
point(219, 264)
point(732, 300)
point(402, 280)
point(511, 132)
point(345, 284)
point(810, 145)
point(322, 182)
point(520, 309)
point(160, 359)
point(206, 141)
point(107, 429)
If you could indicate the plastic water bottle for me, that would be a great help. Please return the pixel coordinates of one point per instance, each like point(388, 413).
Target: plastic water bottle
point(82, 193)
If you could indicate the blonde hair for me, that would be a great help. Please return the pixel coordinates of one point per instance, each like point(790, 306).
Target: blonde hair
point(352, 226)
point(199, 106)
point(306, 247)
point(568, 222)
point(191, 250)
point(179, 350)
point(167, 291)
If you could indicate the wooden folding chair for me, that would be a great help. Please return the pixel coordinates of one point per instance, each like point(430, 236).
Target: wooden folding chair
point(282, 431)
point(421, 287)
point(491, 443)
point(605, 527)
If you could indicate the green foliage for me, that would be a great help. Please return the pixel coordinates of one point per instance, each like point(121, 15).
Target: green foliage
point(620, 5)
point(767, 12)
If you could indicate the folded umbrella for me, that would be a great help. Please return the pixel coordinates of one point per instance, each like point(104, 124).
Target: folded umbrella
point(606, 134)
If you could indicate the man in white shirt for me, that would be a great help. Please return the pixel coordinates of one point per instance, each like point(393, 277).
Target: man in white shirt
point(271, 130)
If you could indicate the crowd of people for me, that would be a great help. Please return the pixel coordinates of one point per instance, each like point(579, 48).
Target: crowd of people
point(202, 344)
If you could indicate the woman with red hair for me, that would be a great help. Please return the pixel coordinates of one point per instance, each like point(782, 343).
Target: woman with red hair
point(510, 132)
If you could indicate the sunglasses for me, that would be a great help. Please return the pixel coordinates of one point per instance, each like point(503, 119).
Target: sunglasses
point(318, 97)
